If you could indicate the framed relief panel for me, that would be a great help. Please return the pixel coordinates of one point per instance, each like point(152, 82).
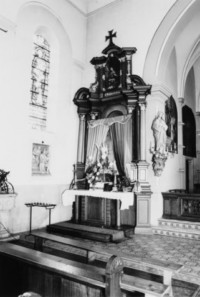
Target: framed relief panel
point(40, 159)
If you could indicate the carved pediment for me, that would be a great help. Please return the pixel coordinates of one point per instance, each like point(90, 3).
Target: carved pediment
point(114, 82)
point(113, 70)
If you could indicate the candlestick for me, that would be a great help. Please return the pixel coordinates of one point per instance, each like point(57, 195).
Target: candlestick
point(74, 170)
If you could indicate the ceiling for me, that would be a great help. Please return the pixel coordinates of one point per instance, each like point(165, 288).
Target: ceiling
point(95, 4)
point(88, 6)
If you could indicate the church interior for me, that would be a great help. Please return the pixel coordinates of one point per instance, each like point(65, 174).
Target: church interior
point(100, 151)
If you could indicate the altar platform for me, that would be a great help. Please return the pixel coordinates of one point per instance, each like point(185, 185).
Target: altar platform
point(98, 215)
point(91, 232)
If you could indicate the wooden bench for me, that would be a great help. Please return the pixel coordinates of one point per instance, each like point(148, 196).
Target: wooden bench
point(129, 282)
point(23, 269)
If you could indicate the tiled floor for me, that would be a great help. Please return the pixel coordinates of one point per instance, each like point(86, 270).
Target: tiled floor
point(185, 252)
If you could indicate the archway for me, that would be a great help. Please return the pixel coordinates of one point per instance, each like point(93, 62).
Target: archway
point(176, 37)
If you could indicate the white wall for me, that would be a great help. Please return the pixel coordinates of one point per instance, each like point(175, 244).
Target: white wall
point(65, 27)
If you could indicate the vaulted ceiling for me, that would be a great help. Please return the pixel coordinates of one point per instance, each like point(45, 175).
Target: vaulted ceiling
point(88, 6)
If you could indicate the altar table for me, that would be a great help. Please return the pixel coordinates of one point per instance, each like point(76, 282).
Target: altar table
point(123, 200)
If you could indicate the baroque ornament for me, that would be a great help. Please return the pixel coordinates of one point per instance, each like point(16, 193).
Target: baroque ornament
point(158, 160)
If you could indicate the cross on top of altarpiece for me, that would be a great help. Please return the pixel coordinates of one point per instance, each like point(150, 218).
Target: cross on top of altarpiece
point(111, 36)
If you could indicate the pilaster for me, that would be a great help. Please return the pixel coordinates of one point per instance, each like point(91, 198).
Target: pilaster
point(143, 213)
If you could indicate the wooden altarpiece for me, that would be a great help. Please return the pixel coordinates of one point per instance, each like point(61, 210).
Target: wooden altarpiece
point(116, 91)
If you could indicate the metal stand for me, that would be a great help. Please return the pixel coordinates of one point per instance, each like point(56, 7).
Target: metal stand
point(38, 204)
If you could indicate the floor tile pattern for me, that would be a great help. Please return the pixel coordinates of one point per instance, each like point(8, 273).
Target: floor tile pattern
point(182, 251)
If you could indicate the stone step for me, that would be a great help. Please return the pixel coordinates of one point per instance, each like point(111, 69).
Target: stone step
point(89, 232)
point(179, 224)
point(174, 228)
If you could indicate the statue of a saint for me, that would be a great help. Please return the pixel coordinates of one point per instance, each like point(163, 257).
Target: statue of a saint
point(159, 128)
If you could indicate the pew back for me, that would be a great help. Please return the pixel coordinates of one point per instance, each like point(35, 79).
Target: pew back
point(23, 269)
point(128, 284)
point(160, 268)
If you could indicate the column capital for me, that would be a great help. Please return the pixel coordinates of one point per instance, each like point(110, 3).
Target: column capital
point(142, 91)
point(94, 115)
point(82, 116)
point(181, 100)
point(130, 109)
point(142, 106)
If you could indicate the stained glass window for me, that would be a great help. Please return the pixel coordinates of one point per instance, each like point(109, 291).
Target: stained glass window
point(40, 81)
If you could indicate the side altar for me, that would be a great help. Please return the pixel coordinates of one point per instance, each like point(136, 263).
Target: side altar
point(111, 147)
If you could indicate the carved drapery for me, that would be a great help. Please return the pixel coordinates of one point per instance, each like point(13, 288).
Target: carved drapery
point(120, 135)
point(109, 121)
point(96, 136)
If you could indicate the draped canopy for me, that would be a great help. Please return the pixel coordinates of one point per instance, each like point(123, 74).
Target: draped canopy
point(121, 136)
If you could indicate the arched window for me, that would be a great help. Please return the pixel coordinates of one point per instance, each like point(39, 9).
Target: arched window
point(40, 79)
point(189, 132)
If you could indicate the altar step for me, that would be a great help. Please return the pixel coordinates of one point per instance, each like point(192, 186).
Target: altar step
point(177, 228)
point(90, 232)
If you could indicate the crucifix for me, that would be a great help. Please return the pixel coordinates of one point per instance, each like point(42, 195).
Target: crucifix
point(111, 36)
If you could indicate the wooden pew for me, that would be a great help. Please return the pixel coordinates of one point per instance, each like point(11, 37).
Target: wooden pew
point(23, 269)
point(129, 283)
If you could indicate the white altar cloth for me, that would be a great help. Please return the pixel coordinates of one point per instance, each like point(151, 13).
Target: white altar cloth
point(126, 198)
